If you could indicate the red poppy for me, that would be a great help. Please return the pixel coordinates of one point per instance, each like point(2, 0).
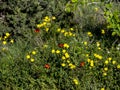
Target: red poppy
point(61, 45)
point(36, 30)
point(47, 66)
point(82, 64)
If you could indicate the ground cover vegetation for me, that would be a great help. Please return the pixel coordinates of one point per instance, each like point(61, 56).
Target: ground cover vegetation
point(59, 45)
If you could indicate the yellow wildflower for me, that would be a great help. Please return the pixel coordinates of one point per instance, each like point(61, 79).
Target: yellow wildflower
point(66, 33)
point(91, 63)
point(53, 51)
point(102, 89)
point(63, 50)
point(106, 69)
point(118, 66)
point(33, 52)
point(98, 44)
point(66, 45)
point(85, 43)
point(7, 34)
point(109, 58)
point(45, 46)
point(32, 59)
point(57, 51)
point(63, 64)
point(39, 25)
point(75, 81)
point(44, 23)
point(96, 9)
point(47, 29)
point(28, 56)
point(88, 60)
point(72, 66)
point(106, 62)
point(0, 38)
point(104, 74)
point(62, 31)
point(67, 55)
point(70, 34)
point(58, 29)
point(89, 34)
point(113, 62)
point(63, 58)
point(53, 17)
point(68, 61)
point(103, 31)
point(12, 41)
point(71, 29)
point(4, 42)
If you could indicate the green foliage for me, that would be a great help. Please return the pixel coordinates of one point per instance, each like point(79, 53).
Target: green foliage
point(57, 45)
point(113, 19)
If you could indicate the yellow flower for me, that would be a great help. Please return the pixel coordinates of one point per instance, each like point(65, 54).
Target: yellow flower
point(67, 55)
point(66, 45)
point(70, 34)
point(44, 23)
point(66, 33)
point(109, 58)
point(75, 81)
point(118, 66)
point(96, 9)
point(28, 56)
point(85, 43)
point(58, 29)
point(0, 38)
point(71, 29)
point(63, 58)
point(87, 55)
point(103, 31)
point(104, 74)
point(98, 44)
point(63, 50)
point(63, 64)
point(68, 61)
point(73, 35)
point(12, 41)
point(106, 69)
point(88, 60)
point(113, 62)
point(7, 34)
point(62, 31)
point(89, 34)
point(39, 25)
point(53, 51)
point(47, 29)
point(32, 59)
point(102, 89)
point(33, 52)
point(106, 62)
point(57, 51)
point(4, 42)
point(72, 66)
point(5, 37)
point(91, 63)
point(45, 46)
point(53, 17)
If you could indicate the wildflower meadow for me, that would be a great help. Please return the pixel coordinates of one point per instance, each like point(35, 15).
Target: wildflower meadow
point(59, 45)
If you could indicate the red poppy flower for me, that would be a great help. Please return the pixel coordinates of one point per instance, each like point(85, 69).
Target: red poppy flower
point(61, 45)
point(82, 64)
point(36, 30)
point(47, 66)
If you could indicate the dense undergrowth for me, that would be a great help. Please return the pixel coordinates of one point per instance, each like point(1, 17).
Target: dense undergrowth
point(59, 45)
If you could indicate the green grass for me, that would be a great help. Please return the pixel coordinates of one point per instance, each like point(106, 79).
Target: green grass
point(55, 49)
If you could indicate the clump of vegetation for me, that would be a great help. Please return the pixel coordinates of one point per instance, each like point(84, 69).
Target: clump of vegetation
point(59, 45)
